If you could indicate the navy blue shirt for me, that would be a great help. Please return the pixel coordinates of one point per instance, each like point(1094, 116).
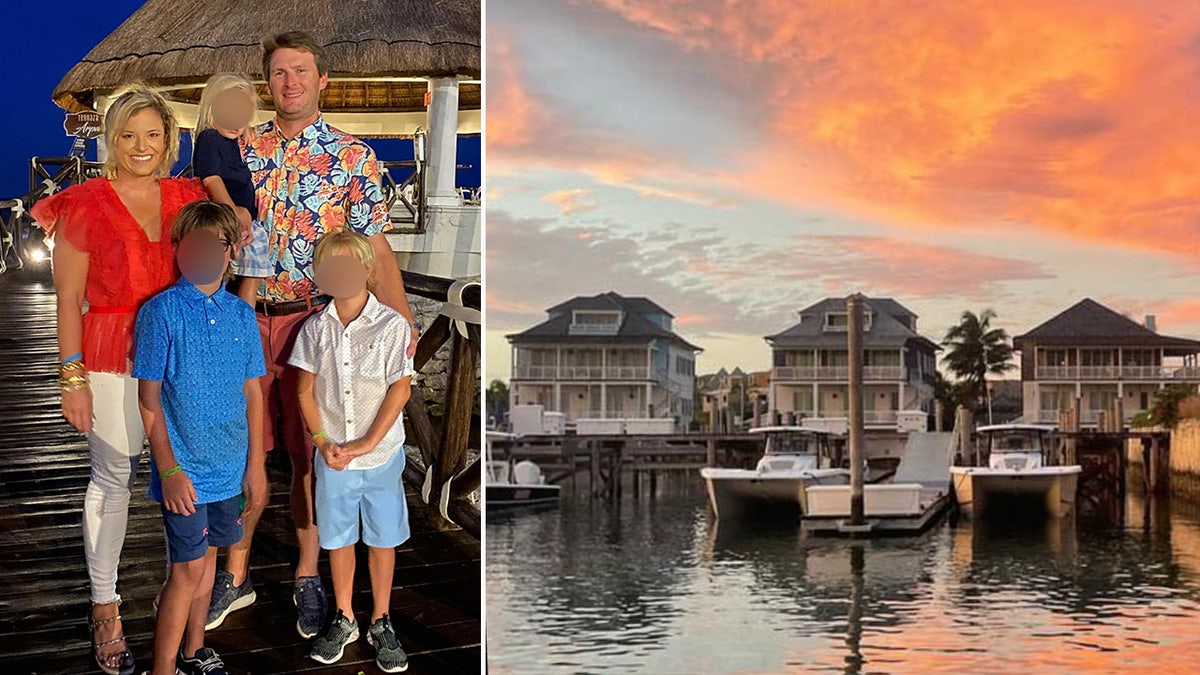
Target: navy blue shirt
point(202, 349)
point(215, 155)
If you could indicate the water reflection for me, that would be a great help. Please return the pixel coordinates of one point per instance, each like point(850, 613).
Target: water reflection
point(662, 588)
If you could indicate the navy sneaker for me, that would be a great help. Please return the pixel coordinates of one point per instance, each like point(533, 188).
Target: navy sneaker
point(204, 662)
point(329, 647)
point(311, 606)
point(389, 655)
point(227, 598)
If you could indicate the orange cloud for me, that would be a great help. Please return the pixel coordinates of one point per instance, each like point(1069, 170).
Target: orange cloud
point(569, 202)
point(1075, 117)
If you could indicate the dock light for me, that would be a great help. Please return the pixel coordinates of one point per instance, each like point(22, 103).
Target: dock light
point(37, 251)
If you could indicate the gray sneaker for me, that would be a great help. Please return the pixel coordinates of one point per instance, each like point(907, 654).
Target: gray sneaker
point(311, 605)
point(389, 655)
point(227, 598)
point(329, 647)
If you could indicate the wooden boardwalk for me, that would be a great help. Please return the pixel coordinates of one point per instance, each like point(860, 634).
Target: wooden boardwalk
point(436, 602)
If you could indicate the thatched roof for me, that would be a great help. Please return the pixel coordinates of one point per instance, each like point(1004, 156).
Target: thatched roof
point(167, 42)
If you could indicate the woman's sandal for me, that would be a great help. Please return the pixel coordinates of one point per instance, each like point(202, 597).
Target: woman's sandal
point(120, 663)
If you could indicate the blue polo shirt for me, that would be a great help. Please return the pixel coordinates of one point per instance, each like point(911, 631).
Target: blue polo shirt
point(202, 349)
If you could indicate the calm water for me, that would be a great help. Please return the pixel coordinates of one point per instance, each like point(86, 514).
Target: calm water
point(657, 587)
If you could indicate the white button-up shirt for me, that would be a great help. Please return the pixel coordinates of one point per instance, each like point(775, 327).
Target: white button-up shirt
point(354, 366)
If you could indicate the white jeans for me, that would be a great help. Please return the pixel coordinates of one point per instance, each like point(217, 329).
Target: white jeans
point(115, 445)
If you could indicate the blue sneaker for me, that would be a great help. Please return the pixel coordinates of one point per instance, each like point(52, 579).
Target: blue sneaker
point(227, 598)
point(204, 662)
point(311, 605)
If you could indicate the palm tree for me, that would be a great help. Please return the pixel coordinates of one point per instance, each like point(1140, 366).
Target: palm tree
point(975, 350)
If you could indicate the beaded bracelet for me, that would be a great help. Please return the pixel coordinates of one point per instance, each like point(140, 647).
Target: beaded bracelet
point(170, 472)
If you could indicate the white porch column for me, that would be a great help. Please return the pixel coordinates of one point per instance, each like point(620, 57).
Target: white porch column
point(816, 400)
point(646, 402)
point(603, 400)
point(442, 158)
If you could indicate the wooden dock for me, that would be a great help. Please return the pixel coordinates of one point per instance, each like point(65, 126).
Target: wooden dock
point(610, 464)
point(436, 601)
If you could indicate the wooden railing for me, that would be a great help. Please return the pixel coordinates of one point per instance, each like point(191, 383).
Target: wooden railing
point(1147, 373)
point(836, 373)
point(443, 474)
point(582, 372)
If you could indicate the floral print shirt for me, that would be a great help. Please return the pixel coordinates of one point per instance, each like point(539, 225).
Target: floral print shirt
point(322, 180)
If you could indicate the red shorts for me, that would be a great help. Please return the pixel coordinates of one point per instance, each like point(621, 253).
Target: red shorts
point(283, 425)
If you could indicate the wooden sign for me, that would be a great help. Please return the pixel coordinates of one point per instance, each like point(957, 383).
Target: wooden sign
point(84, 124)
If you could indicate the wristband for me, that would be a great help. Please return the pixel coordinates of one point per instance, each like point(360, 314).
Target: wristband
point(77, 356)
point(170, 472)
point(317, 435)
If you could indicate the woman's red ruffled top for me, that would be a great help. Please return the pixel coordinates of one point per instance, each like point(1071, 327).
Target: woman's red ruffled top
point(125, 268)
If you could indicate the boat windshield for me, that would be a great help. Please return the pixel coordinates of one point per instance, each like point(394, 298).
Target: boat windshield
point(1017, 440)
point(792, 444)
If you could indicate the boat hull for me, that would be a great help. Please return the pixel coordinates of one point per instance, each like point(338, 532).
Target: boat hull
point(742, 495)
point(1052, 489)
point(515, 496)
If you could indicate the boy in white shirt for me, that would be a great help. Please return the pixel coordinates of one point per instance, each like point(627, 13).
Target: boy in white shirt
point(354, 380)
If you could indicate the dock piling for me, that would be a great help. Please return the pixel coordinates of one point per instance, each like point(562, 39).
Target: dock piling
point(854, 312)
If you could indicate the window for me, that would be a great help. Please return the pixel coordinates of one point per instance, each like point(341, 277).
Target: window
point(685, 367)
point(1098, 357)
point(839, 322)
point(1054, 357)
point(595, 322)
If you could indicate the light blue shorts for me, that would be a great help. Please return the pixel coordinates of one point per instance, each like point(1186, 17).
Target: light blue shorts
point(253, 259)
point(374, 495)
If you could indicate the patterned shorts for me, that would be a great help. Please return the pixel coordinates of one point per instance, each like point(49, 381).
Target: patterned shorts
point(253, 259)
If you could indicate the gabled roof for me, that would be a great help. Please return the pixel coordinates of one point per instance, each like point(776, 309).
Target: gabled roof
point(886, 329)
point(1087, 322)
point(634, 324)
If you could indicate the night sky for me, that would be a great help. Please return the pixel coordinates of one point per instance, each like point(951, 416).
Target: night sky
point(45, 40)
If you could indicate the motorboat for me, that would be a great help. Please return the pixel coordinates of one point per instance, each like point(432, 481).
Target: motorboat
point(518, 484)
point(1017, 475)
point(794, 458)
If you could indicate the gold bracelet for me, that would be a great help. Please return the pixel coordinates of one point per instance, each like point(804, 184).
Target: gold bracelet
point(72, 375)
point(71, 366)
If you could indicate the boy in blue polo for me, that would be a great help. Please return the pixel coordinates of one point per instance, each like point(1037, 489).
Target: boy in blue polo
point(198, 357)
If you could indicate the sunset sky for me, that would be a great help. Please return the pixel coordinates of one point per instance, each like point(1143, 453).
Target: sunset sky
point(736, 162)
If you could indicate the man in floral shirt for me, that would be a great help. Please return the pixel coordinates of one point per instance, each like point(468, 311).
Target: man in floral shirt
point(310, 178)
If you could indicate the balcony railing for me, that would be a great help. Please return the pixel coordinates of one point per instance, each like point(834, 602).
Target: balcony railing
point(582, 373)
point(1088, 416)
point(1147, 373)
point(836, 373)
point(870, 417)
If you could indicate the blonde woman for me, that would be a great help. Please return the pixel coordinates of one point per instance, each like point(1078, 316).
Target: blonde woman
point(226, 109)
point(112, 247)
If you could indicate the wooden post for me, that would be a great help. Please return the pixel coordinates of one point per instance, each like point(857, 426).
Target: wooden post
point(939, 412)
point(461, 389)
point(757, 412)
point(854, 312)
point(710, 457)
point(594, 477)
